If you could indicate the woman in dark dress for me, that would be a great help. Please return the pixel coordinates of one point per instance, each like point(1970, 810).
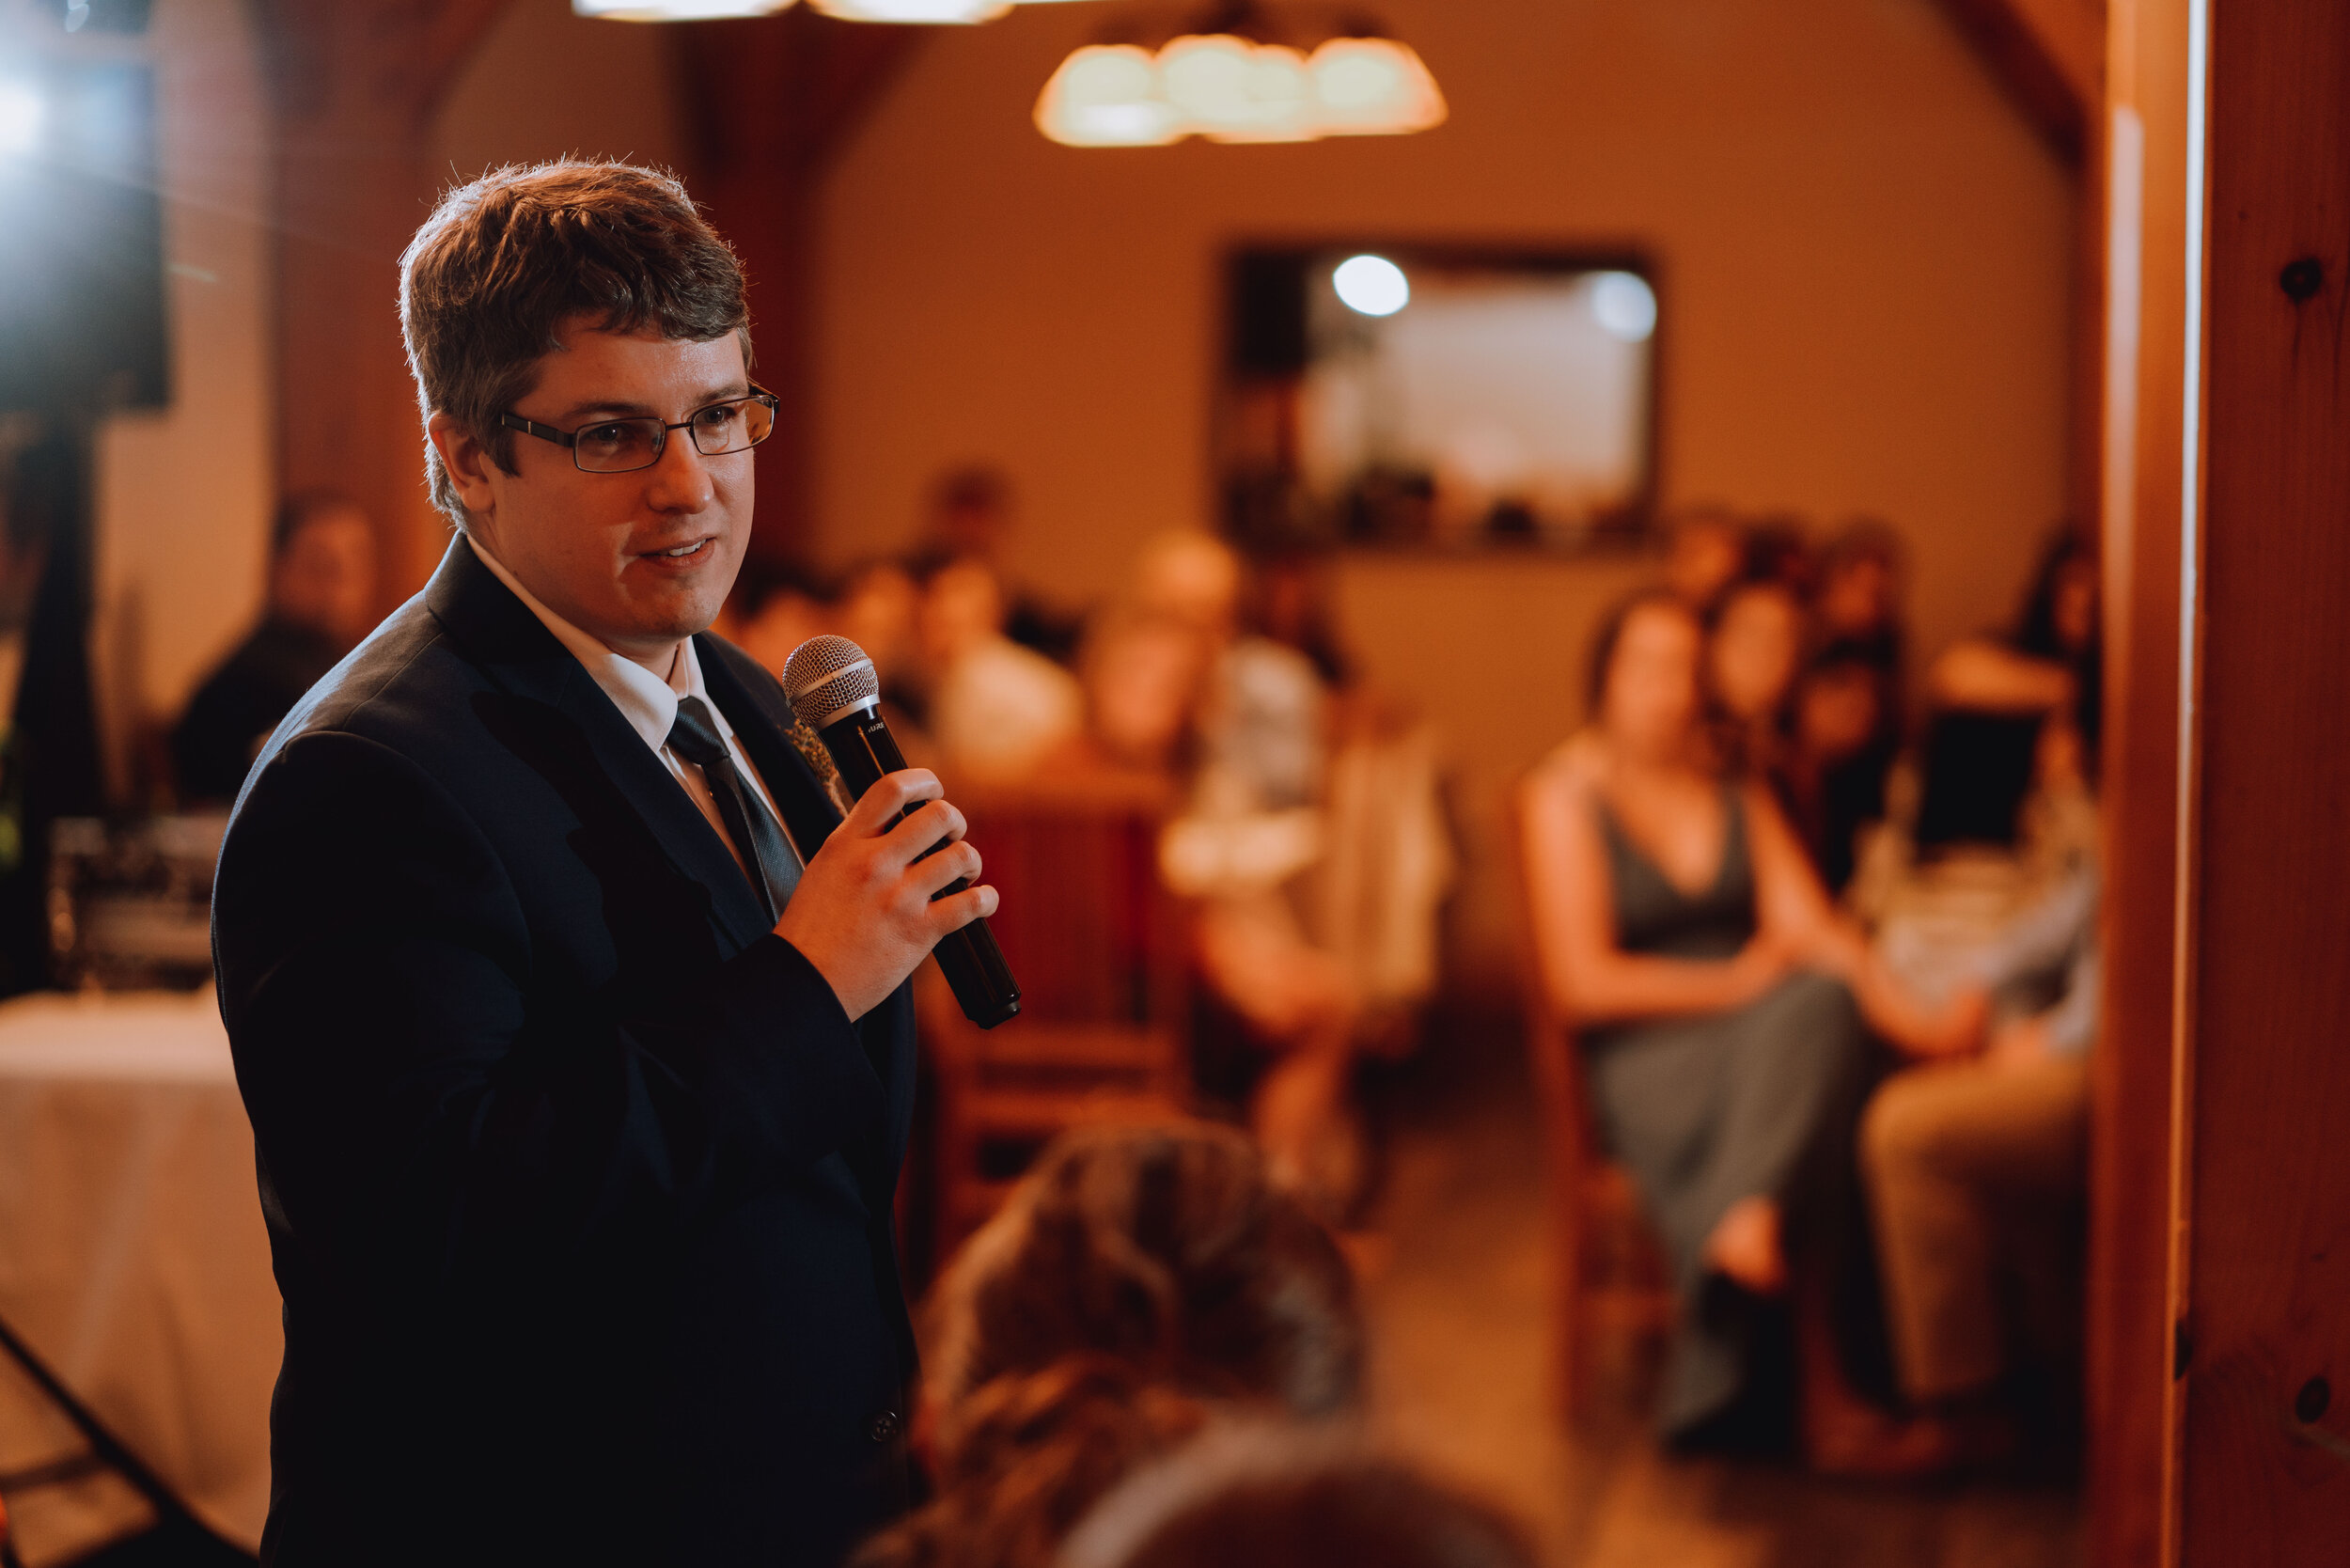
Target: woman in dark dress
point(1721, 1003)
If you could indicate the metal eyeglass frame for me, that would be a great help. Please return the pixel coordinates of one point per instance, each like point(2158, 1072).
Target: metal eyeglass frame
point(570, 439)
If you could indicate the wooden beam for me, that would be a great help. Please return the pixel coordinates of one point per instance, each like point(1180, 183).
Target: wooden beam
point(2141, 244)
point(775, 100)
point(2264, 1211)
point(355, 82)
point(2049, 55)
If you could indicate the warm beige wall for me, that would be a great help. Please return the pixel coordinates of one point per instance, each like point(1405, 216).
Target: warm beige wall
point(1864, 256)
point(547, 84)
point(184, 492)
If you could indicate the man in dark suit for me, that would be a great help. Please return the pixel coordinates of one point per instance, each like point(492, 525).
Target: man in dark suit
point(570, 1013)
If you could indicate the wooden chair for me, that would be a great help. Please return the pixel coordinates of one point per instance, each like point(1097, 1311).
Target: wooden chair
point(1097, 945)
point(1608, 1276)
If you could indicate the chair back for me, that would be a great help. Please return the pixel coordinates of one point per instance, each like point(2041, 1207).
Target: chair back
point(1098, 946)
point(1607, 1271)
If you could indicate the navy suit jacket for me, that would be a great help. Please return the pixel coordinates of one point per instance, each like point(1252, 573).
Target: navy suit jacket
point(578, 1180)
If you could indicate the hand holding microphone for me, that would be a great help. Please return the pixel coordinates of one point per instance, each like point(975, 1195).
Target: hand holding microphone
point(893, 881)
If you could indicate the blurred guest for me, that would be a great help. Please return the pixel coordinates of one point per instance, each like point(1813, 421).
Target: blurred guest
point(777, 606)
point(1858, 599)
point(879, 611)
point(1315, 848)
point(996, 708)
point(320, 601)
point(973, 518)
point(2052, 660)
point(1142, 674)
point(1165, 1248)
point(1754, 649)
point(1268, 1498)
point(1777, 551)
point(1026, 1456)
point(1976, 1166)
point(1832, 776)
point(1293, 596)
point(1720, 1001)
point(1706, 552)
point(1847, 713)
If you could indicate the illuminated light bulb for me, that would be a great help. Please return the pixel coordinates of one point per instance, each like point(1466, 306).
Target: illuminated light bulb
point(1625, 305)
point(676, 11)
point(1107, 94)
point(1278, 98)
point(21, 116)
point(1372, 284)
point(934, 12)
point(1236, 91)
point(1373, 87)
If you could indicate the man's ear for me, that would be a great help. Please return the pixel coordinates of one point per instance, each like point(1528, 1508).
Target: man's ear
point(466, 459)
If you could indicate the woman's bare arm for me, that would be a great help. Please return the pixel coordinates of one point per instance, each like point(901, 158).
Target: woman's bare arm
point(1982, 675)
point(1570, 896)
point(1792, 905)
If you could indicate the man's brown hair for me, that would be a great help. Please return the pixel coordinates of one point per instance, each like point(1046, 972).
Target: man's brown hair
point(504, 262)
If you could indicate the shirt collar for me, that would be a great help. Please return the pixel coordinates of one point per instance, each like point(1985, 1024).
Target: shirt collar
point(647, 701)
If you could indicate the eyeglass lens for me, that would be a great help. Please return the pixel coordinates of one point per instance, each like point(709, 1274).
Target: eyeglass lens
point(618, 446)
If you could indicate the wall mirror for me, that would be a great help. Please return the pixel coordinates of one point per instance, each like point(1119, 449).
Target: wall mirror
point(1416, 396)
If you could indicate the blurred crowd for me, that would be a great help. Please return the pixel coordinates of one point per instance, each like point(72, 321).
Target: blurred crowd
point(1823, 923)
point(1832, 966)
point(1304, 828)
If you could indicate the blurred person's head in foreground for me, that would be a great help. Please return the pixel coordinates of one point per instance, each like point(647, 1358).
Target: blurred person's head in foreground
point(1164, 1246)
point(1264, 1497)
point(1193, 577)
point(1028, 1456)
point(321, 566)
point(1645, 678)
point(1142, 673)
point(1706, 552)
point(581, 347)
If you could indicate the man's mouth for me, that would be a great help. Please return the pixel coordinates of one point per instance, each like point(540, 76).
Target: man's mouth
point(682, 551)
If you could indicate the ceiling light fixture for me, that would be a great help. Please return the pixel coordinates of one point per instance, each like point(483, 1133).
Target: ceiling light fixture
point(1230, 87)
point(934, 12)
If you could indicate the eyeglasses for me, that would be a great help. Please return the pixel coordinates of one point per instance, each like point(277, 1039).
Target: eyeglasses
point(624, 446)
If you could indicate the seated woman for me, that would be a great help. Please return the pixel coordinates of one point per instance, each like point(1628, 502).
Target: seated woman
point(1720, 1000)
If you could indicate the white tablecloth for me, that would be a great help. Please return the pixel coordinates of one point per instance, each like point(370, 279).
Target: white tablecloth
point(133, 1257)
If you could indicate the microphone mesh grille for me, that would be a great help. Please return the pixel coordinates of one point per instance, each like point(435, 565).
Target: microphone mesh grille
point(824, 675)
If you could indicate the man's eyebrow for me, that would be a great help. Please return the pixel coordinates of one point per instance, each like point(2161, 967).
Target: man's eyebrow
point(621, 408)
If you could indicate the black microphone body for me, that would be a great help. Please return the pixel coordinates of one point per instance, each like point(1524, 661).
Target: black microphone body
point(863, 750)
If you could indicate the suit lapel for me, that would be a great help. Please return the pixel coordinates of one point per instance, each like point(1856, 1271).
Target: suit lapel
point(523, 657)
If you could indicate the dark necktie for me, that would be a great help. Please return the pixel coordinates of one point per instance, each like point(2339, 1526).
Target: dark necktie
point(757, 838)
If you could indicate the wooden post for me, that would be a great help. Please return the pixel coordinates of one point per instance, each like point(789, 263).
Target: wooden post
point(2264, 1194)
point(2143, 337)
point(355, 84)
point(773, 99)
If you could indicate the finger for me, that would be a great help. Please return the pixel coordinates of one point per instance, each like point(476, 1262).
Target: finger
point(890, 794)
point(939, 821)
point(956, 862)
point(950, 914)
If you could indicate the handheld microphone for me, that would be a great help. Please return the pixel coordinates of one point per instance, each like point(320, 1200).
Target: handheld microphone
point(835, 691)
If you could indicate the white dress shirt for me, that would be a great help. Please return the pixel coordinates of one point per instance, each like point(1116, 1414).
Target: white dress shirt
point(649, 705)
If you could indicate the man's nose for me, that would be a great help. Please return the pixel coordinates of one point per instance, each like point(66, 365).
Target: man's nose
point(679, 480)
